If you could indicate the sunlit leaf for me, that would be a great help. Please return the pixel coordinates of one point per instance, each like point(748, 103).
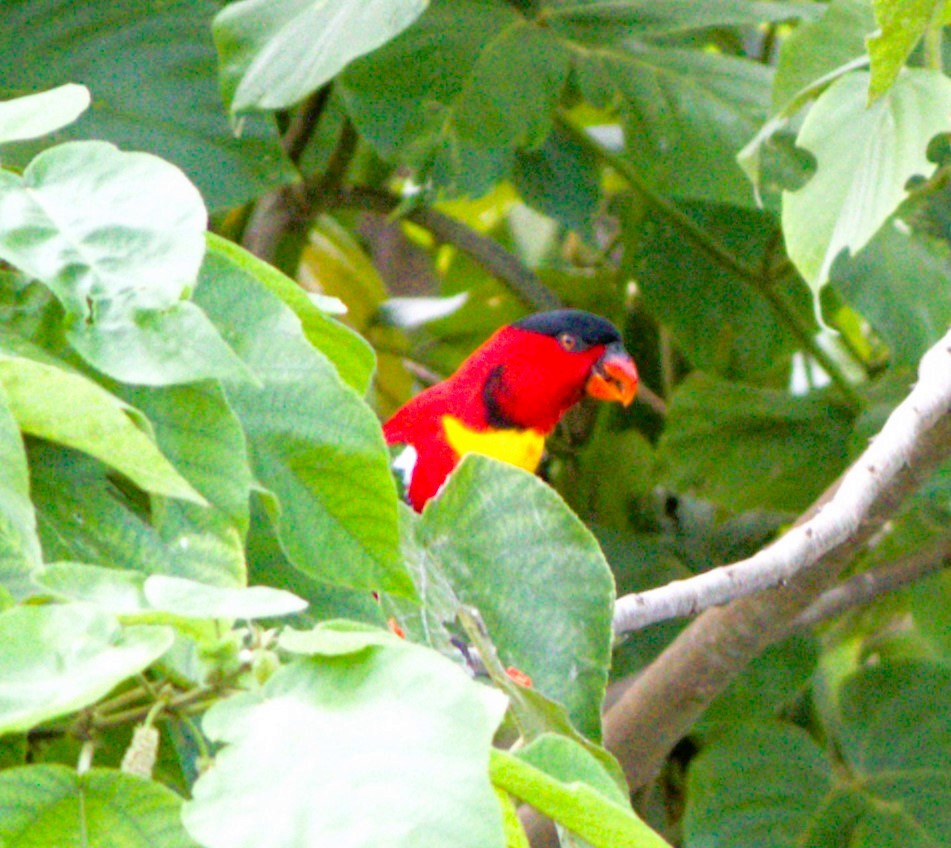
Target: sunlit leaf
point(274, 53)
point(396, 731)
point(865, 157)
point(38, 114)
point(53, 805)
point(58, 658)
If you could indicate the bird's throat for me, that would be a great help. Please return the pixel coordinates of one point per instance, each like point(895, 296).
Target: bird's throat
point(523, 448)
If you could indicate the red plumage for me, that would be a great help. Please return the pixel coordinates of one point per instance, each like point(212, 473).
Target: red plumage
point(525, 376)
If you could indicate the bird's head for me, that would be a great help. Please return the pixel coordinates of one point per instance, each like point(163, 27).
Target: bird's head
point(538, 367)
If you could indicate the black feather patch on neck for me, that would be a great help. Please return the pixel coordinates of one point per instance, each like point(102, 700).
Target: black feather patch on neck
point(587, 328)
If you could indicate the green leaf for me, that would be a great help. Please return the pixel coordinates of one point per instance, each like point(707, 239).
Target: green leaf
point(119, 238)
point(865, 158)
point(901, 26)
point(599, 821)
point(567, 761)
point(504, 542)
point(83, 516)
point(771, 786)
point(899, 283)
point(59, 658)
point(561, 179)
point(756, 788)
point(197, 430)
point(931, 610)
point(19, 546)
point(750, 448)
point(312, 441)
point(156, 347)
point(458, 113)
point(816, 49)
point(274, 53)
point(389, 746)
point(725, 326)
point(177, 116)
point(69, 409)
point(335, 639)
point(895, 718)
point(127, 593)
point(200, 434)
point(53, 805)
point(38, 114)
point(346, 349)
point(103, 228)
point(687, 114)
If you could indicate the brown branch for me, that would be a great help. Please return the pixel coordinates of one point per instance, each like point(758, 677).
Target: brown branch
point(488, 253)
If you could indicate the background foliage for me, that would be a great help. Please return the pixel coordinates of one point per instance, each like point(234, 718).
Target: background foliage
point(200, 537)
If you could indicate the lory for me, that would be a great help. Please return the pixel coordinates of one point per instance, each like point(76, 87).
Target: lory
point(508, 396)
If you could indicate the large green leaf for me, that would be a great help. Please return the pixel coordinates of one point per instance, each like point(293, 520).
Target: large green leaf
point(197, 430)
point(458, 111)
point(19, 546)
point(687, 114)
point(769, 683)
point(82, 516)
point(178, 115)
point(865, 157)
point(53, 805)
point(64, 407)
point(899, 283)
point(561, 179)
point(346, 349)
point(750, 448)
point(386, 746)
point(274, 53)
point(312, 441)
point(901, 26)
point(119, 238)
point(756, 788)
point(38, 114)
point(504, 542)
point(58, 658)
point(891, 788)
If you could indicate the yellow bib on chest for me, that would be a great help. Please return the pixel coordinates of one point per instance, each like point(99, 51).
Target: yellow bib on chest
point(523, 448)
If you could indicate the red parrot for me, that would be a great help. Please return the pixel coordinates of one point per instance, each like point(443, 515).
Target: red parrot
point(509, 395)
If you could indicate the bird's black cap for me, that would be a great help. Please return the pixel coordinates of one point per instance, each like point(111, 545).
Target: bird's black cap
point(587, 328)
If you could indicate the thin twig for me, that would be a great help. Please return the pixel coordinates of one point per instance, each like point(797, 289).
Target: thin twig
point(836, 522)
point(866, 587)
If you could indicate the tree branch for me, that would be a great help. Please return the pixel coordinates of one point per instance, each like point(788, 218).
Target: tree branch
point(837, 521)
point(864, 588)
point(488, 253)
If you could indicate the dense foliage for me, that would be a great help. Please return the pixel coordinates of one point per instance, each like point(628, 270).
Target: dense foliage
point(233, 237)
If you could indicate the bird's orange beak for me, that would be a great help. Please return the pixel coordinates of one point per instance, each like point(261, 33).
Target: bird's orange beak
point(614, 376)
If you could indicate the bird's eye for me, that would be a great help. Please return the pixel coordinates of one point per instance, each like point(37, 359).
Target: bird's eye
point(568, 341)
